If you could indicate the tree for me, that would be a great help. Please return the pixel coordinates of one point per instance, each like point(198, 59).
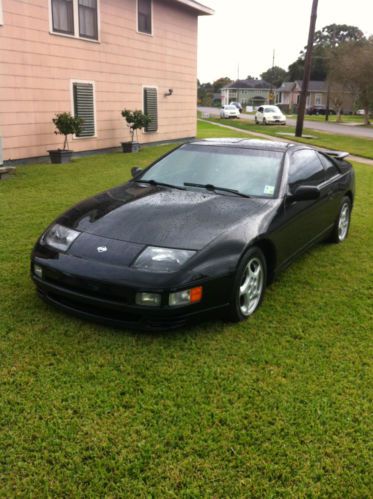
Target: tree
point(328, 38)
point(335, 35)
point(136, 120)
point(275, 76)
point(220, 83)
point(66, 125)
point(352, 66)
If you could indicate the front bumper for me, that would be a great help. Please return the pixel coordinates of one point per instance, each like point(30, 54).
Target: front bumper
point(111, 300)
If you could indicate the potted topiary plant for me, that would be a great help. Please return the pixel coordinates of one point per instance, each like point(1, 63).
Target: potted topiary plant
point(135, 121)
point(66, 124)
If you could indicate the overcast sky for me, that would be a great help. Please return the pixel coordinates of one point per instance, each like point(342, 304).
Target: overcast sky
point(244, 33)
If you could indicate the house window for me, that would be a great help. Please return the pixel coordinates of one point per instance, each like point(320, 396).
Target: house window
point(88, 19)
point(84, 107)
point(1, 13)
point(144, 16)
point(63, 16)
point(318, 99)
point(151, 108)
point(77, 18)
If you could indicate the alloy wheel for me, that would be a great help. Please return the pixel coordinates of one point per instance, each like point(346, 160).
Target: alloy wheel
point(251, 287)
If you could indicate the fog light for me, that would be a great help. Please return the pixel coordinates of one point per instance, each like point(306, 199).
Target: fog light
point(186, 297)
point(38, 271)
point(148, 299)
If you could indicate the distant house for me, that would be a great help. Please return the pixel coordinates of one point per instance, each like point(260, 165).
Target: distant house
point(288, 95)
point(251, 92)
point(94, 58)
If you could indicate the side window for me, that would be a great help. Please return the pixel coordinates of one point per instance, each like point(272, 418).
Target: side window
point(144, 16)
point(330, 169)
point(83, 97)
point(151, 108)
point(305, 169)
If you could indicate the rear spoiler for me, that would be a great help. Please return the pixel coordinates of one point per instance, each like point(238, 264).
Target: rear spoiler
point(337, 154)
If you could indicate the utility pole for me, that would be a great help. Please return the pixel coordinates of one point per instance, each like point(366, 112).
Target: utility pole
point(307, 71)
point(271, 98)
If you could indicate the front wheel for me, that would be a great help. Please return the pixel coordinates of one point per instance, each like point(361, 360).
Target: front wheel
point(249, 285)
point(342, 224)
point(264, 121)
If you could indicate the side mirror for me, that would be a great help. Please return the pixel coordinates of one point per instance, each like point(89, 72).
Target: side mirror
point(305, 193)
point(135, 170)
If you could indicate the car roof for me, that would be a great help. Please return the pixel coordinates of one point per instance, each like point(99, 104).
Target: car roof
point(248, 144)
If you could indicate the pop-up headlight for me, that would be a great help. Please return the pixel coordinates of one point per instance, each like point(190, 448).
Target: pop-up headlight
point(162, 259)
point(60, 237)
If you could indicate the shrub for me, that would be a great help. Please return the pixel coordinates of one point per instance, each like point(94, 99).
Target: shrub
point(67, 124)
point(135, 121)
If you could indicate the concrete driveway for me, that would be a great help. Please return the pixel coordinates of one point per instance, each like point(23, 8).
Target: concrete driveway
point(351, 130)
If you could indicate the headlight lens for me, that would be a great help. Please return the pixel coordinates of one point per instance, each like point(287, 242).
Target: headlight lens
point(162, 259)
point(60, 237)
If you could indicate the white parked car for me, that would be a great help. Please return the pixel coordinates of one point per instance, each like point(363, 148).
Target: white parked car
point(229, 111)
point(270, 115)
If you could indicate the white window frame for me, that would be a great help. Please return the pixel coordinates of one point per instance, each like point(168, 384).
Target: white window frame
point(94, 106)
point(76, 23)
point(143, 105)
point(1, 13)
point(152, 19)
point(318, 99)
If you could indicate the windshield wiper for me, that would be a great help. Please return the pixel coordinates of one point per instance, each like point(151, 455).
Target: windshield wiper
point(211, 187)
point(162, 184)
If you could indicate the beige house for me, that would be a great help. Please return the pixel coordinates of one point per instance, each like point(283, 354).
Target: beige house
point(288, 95)
point(252, 92)
point(95, 58)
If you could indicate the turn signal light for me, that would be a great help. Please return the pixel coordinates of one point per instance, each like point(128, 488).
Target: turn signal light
point(186, 297)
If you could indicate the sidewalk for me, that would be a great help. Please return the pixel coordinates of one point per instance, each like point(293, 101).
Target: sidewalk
point(358, 159)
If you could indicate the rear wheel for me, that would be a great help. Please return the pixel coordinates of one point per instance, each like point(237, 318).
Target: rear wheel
point(342, 224)
point(249, 285)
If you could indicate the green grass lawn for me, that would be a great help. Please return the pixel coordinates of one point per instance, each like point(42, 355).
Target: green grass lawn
point(346, 118)
point(354, 145)
point(280, 405)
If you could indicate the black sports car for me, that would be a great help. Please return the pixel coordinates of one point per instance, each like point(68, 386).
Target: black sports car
point(203, 229)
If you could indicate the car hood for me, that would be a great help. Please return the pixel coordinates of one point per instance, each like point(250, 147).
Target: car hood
point(159, 216)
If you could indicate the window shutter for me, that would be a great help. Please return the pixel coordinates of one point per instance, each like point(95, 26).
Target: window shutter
point(84, 107)
point(151, 108)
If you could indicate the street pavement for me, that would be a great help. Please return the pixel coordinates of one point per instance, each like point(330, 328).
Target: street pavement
point(345, 129)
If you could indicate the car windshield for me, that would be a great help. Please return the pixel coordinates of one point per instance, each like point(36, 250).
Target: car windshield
point(272, 109)
point(231, 107)
point(252, 172)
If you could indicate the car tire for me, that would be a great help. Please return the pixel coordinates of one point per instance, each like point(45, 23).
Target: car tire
point(264, 121)
point(256, 120)
point(342, 224)
point(249, 285)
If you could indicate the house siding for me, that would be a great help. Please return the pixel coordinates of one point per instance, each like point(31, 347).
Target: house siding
point(37, 69)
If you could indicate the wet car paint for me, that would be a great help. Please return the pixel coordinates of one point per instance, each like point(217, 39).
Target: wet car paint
point(220, 228)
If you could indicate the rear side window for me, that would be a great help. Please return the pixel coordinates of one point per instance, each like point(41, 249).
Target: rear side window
point(305, 169)
point(330, 169)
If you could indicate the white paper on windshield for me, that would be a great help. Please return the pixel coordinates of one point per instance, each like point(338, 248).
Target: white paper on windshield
point(269, 189)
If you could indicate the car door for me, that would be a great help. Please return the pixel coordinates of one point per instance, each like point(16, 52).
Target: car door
point(332, 184)
point(302, 222)
point(259, 113)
